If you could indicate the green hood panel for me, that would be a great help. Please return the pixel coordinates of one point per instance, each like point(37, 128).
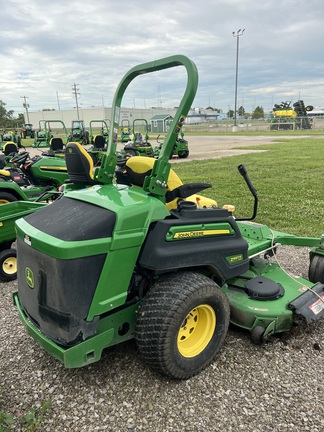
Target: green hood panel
point(133, 211)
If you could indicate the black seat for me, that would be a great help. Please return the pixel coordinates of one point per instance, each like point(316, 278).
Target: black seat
point(56, 144)
point(138, 138)
point(99, 142)
point(79, 164)
point(9, 148)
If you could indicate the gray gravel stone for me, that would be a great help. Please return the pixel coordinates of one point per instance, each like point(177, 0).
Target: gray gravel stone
point(274, 387)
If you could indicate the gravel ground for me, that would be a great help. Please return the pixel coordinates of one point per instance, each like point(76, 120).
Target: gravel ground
point(275, 387)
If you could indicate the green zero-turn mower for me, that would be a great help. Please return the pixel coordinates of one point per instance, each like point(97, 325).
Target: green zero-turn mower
point(153, 261)
point(180, 148)
point(104, 133)
point(9, 213)
point(99, 142)
point(23, 178)
point(79, 133)
point(125, 131)
point(45, 138)
point(140, 145)
point(10, 136)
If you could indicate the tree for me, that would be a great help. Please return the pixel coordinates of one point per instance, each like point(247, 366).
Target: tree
point(230, 113)
point(3, 111)
point(241, 111)
point(258, 113)
point(7, 119)
point(20, 119)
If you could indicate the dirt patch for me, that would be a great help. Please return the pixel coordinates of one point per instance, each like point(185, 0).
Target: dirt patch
point(215, 147)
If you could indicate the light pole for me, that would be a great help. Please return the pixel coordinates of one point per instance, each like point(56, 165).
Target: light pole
point(75, 91)
point(26, 105)
point(237, 36)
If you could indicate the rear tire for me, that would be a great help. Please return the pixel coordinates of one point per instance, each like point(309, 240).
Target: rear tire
point(5, 245)
point(182, 323)
point(6, 197)
point(8, 265)
point(183, 154)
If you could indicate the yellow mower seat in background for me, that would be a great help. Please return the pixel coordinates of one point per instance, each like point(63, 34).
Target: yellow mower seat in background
point(4, 173)
point(138, 167)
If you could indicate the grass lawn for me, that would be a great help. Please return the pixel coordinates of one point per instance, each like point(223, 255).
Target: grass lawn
point(288, 178)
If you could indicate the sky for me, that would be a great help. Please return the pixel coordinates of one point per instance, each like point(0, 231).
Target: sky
point(47, 48)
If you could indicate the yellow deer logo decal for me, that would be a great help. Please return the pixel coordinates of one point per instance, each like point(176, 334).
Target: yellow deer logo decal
point(29, 277)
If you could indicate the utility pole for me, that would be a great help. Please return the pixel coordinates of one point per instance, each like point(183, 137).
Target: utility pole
point(58, 101)
point(237, 36)
point(26, 105)
point(75, 92)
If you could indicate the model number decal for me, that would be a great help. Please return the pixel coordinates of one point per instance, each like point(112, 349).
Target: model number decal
point(317, 306)
point(234, 258)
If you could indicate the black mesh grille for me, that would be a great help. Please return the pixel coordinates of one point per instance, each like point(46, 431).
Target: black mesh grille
point(62, 292)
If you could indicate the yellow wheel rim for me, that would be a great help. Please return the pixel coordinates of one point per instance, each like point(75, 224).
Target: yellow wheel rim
point(4, 201)
point(196, 331)
point(9, 265)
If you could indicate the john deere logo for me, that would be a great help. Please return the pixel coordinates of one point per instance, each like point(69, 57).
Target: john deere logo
point(29, 277)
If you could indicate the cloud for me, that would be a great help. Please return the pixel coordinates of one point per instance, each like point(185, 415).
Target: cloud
point(49, 46)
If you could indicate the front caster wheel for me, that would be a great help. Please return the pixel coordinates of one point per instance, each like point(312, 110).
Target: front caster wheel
point(257, 335)
point(316, 269)
point(182, 324)
point(8, 265)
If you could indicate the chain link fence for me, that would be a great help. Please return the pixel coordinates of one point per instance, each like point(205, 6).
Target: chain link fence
point(248, 125)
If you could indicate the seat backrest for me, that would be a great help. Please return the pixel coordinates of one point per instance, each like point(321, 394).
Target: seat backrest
point(138, 167)
point(79, 164)
point(99, 142)
point(56, 144)
point(138, 138)
point(10, 147)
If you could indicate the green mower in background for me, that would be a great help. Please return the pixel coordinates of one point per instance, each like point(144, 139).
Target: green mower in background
point(10, 136)
point(46, 138)
point(100, 142)
point(180, 148)
point(9, 213)
point(151, 259)
point(25, 178)
point(27, 131)
point(79, 133)
point(125, 131)
point(140, 145)
point(42, 137)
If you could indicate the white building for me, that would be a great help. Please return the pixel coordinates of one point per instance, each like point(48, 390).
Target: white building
point(128, 115)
